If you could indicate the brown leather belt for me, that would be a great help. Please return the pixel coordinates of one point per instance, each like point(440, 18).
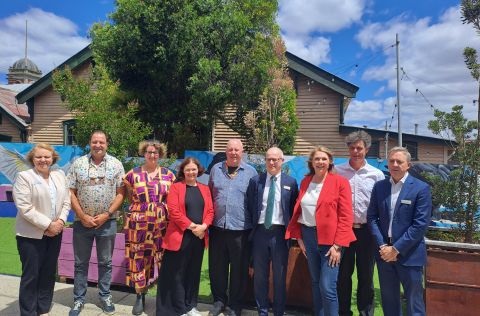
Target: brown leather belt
point(358, 225)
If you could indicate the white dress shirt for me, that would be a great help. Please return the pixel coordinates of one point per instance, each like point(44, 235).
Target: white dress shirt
point(395, 192)
point(361, 182)
point(277, 218)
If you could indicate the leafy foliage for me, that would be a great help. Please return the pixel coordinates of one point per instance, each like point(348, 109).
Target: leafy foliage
point(471, 13)
point(185, 60)
point(274, 121)
point(460, 193)
point(97, 103)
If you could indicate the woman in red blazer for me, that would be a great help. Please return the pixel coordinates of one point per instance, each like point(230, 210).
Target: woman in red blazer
point(322, 224)
point(190, 210)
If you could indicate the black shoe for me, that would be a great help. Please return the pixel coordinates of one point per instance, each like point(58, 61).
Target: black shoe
point(139, 305)
point(232, 312)
point(107, 305)
point(76, 309)
point(216, 309)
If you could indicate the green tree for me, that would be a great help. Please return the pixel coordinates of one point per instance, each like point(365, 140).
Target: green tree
point(460, 193)
point(274, 121)
point(98, 103)
point(185, 60)
point(471, 15)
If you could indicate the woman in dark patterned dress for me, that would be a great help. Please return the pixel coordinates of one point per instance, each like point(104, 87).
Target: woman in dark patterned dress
point(147, 187)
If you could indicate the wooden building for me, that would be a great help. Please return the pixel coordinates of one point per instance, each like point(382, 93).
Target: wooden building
point(322, 101)
point(50, 120)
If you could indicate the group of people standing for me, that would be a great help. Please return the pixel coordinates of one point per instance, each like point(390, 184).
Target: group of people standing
point(340, 216)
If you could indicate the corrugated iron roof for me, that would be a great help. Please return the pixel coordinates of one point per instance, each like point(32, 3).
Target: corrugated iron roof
point(8, 103)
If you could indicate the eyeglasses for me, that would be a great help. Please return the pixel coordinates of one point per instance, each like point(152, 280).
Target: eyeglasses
point(274, 160)
point(97, 175)
point(155, 153)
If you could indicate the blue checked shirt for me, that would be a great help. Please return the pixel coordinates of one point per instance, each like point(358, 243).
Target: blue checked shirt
point(229, 196)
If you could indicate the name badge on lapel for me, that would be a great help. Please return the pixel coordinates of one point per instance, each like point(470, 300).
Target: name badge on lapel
point(286, 187)
point(408, 202)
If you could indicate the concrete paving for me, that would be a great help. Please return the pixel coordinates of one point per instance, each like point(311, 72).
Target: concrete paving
point(63, 300)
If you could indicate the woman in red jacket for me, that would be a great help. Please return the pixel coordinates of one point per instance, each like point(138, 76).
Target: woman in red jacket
point(322, 224)
point(190, 212)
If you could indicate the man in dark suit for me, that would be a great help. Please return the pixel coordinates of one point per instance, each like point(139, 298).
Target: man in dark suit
point(398, 217)
point(271, 198)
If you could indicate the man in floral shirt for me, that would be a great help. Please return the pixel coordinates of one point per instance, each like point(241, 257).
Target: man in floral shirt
point(97, 192)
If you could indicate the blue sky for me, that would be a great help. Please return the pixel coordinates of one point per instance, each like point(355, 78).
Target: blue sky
point(351, 38)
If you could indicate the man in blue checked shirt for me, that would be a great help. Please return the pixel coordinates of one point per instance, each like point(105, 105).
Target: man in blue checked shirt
point(228, 249)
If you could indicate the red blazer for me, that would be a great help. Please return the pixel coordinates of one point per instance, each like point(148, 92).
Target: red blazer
point(333, 215)
point(178, 220)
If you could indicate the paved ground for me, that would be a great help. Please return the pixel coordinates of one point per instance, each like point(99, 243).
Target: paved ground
point(62, 301)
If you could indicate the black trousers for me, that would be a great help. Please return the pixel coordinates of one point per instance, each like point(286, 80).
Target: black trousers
point(39, 264)
point(229, 251)
point(361, 253)
point(179, 277)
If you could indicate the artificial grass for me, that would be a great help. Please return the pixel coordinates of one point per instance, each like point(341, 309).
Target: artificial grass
point(9, 258)
point(10, 264)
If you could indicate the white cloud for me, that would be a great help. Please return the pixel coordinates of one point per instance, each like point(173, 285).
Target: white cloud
point(431, 54)
point(302, 21)
point(298, 17)
point(315, 50)
point(51, 39)
point(377, 111)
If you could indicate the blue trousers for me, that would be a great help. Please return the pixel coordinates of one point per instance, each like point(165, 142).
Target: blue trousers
point(391, 275)
point(324, 277)
point(270, 246)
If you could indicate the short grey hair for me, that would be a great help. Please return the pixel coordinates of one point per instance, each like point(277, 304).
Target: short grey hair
point(356, 136)
point(399, 149)
point(275, 148)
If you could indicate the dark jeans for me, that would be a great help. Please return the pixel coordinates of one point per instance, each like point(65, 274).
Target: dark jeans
point(361, 254)
point(39, 264)
point(228, 258)
point(179, 277)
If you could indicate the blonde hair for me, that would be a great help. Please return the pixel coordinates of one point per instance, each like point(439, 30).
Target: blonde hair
point(162, 148)
point(31, 153)
point(322, 149)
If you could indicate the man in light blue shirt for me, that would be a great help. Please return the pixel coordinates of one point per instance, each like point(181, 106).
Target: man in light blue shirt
point(228, 248)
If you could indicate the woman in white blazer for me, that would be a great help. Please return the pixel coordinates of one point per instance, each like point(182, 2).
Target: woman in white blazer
point(42, 199)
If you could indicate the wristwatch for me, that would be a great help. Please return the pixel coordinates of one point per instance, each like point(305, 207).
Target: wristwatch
point(337, 247)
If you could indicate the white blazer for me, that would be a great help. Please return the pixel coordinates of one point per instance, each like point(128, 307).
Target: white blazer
point(32, 199)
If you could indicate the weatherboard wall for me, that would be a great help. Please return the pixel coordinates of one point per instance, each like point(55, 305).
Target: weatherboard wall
point(50, 113)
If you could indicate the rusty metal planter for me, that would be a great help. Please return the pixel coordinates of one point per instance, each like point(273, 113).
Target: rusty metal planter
point(452, 278)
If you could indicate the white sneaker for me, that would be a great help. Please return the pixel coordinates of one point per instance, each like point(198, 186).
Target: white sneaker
point(194, 312)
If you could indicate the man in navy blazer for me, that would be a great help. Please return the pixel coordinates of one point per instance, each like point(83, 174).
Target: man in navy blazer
point(398, 217)
point(268, 233)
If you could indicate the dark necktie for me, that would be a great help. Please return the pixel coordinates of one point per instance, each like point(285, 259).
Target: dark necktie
point(270, 203)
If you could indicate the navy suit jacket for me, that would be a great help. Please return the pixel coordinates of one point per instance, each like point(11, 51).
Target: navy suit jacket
point(411, 218)
point(256, 186)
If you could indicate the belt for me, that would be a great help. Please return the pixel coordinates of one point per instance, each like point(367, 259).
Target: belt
point(273, 227)
point(359, 225)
